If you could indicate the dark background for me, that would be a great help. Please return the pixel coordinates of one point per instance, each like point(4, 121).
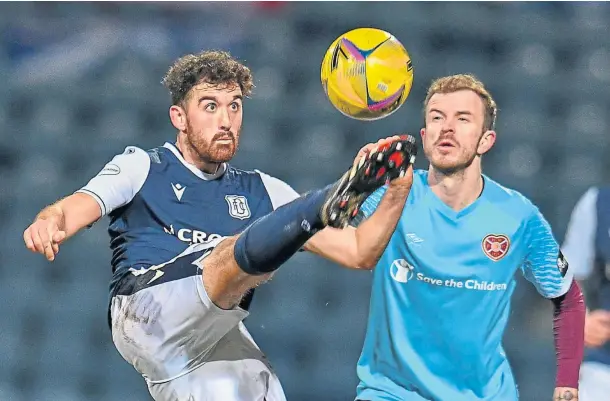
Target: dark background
point(82, 81)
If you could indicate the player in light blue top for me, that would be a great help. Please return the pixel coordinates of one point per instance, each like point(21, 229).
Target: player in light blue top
point(441, 295)
point(442, 288)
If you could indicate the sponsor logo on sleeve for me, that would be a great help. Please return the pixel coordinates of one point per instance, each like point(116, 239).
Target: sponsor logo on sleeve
point(110, 169)
point(562, 264)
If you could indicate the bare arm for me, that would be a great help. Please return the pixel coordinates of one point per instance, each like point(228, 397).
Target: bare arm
point(73, 213)
point(59, 221)
point(114, 186)
point(361, 248)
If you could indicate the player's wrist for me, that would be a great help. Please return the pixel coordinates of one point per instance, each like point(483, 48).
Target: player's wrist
point(398, 188)
point(53, 213)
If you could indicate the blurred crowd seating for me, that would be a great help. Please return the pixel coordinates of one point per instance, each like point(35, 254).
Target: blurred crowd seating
point(82, 81)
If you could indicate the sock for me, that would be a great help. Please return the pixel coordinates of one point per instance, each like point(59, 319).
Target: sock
point(271, 240)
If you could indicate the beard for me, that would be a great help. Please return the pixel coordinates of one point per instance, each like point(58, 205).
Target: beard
point(213, 151)
point(451, 163)
point(455, 161)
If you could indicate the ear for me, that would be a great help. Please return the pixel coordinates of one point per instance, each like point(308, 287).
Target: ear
point(487, 141)
point(422, 133)
point(177, 115)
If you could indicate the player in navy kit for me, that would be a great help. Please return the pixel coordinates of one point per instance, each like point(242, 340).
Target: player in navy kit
point(191, 235)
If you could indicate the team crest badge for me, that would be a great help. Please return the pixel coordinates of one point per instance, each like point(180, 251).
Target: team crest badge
point(238, 206)
point(495, 246)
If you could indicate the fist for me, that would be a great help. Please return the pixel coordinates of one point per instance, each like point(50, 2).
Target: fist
point(44, 237)
point(565, 394)
point(597, 328)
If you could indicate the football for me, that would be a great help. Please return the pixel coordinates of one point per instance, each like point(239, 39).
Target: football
point(367, 74)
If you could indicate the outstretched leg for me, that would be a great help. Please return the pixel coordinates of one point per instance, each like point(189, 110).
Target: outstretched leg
point(244, 261)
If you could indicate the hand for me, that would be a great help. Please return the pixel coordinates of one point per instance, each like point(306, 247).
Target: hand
point(369, 148)
point(565, 394)
point(44, 236)
point(597, 328)
point(405, 180)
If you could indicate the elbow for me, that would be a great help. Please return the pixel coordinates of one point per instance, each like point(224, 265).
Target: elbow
point(572, 300)
point(365, 263)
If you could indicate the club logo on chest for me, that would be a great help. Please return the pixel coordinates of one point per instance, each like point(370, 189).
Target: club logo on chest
point(495, 246)
point(238, 206)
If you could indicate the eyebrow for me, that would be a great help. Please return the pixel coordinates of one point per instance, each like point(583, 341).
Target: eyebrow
point(215, 99)
point(461, 112)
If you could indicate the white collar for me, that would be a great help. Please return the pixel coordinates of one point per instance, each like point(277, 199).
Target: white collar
point(204, 176)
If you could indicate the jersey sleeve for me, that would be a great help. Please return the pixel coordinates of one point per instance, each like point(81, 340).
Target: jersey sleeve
point(579, 243)
point(120, 179)
point(279, 192)
point(369, 206)
point(545, 266)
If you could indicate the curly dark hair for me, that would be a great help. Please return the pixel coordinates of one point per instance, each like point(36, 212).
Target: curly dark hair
point(213, 66)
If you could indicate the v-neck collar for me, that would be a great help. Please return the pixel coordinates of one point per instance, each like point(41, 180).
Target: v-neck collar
point(447, 210)
point(204, 176)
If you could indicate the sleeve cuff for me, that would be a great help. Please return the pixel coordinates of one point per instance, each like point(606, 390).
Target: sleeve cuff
point(97, 198)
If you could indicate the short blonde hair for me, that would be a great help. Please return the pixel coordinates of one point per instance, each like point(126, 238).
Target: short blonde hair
point(454, 83)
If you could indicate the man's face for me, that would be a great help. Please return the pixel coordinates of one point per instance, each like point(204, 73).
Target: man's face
point(453, 134)
point(213, 120)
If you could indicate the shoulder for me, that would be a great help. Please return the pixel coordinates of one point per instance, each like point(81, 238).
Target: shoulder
point(420, 174)
point(242, 174)
point(420, 178)
point(134, 152)
point(246, 178)
point(420, 185)
point(590, 197)
point(593, 193)
point(161, 155)
point(255, 176)
point(510, 199)
point(133, 161)
point(279, 191)
point(587, 205)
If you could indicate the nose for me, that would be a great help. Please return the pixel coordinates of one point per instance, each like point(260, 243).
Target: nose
point(448, 125)
point(225, 120)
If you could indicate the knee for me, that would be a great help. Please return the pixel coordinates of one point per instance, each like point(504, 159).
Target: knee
point(223, 280)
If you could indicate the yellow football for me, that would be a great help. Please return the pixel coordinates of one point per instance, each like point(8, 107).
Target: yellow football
point(367, 74)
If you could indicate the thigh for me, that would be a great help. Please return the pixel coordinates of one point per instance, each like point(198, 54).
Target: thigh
point(236, 370)
point(594, 381)
point(163, 322)
point(225, 283)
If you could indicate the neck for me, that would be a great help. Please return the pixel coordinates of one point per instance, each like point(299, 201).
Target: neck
point(191, 156)
point(459, 189)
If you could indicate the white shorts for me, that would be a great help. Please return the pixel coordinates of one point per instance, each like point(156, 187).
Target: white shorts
point(594, 384)
point(185, 347)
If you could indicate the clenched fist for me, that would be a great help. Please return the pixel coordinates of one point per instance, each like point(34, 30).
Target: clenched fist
point(565, 394)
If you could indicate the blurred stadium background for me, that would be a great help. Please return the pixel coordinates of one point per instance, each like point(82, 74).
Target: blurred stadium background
point(81, 82)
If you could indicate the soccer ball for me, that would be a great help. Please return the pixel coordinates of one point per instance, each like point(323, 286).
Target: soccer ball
point(367, 74)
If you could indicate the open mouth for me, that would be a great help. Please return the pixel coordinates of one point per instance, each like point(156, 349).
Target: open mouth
point(446, 144)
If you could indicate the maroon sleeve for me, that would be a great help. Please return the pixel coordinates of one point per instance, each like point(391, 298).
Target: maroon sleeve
point(569, 333)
